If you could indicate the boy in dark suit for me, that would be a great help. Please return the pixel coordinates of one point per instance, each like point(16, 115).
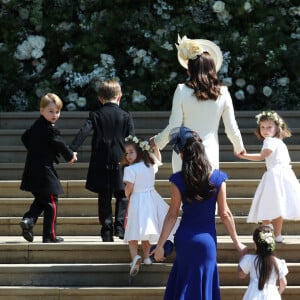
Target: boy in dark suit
point(110, 125)
point(44, 145)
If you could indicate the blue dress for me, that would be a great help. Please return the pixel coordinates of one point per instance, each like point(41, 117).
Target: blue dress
point(194, 274)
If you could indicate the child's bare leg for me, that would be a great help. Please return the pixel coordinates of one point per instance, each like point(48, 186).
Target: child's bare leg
point(133, 248)
point(277, 226)
point(146, 248)
point(267, 223)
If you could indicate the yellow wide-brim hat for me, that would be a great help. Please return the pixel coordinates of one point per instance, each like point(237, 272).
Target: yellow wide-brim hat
point(189, 49)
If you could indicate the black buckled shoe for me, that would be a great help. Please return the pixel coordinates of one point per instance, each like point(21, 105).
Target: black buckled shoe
point(58, 239)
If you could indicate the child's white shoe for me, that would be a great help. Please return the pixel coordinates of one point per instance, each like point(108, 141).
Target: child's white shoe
point(279, 239)
point(147, 261)
point(135, 265)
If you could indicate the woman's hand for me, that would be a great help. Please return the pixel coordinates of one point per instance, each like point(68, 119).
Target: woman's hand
point(242, 249)
point(152, 142)
point(158, 253)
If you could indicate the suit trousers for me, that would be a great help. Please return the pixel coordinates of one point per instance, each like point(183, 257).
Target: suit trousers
point(48, 204)
point(105, 210)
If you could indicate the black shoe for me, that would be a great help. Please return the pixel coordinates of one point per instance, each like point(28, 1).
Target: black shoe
point(119, 232)
point(58, 239)
point(27, 235)
point(26, 224)
point(107, 236)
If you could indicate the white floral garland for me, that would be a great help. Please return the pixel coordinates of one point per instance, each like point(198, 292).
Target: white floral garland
point(272, 115)
point(144, 145)
point(268, 238)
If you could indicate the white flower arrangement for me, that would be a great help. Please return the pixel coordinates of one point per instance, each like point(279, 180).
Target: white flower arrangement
point(268, 238)
point(188, 48)
point(144, 145)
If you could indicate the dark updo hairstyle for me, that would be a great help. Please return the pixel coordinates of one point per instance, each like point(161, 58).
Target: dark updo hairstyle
point(203, 77)
point(263, 238)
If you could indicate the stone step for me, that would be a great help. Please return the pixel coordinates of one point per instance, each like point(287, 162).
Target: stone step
point(112, 275)
point(88, 207)
point(77, 171)
point(142, 119)
point(236, 188)
point(17, 154)
point(90, 226)
point(12, 137)
point(116, 293)
point(90, 249)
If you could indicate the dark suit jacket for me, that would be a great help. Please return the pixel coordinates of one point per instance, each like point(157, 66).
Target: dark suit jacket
point(44, 145)
point(110, 125)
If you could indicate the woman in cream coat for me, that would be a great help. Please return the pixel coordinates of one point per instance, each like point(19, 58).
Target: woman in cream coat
point(200, 103)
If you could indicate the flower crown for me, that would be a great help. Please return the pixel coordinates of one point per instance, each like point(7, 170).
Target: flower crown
point(267, 238)
point(271, 115)
point(144, 145)
point(188, 49)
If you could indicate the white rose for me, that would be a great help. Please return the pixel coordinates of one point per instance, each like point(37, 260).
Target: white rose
point(240, 82)
point(72, 97)
point(81, 102)
point(283, 81)
point(36, 41)
point(218, 7)
point(36, 53)
point(247, 7)
point(141, 53)
point(137, 97)
point(240, 95)
point(267, 91)
point(23, 51)
point(227, 81)
point(250, 89)
point(71, 106)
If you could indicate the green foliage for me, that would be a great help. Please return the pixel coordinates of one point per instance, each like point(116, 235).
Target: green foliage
point(67, 46)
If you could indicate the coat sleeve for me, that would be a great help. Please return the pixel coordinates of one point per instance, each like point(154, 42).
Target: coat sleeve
point(82, 134)
point(231, 127)
point(60, 146)
point(175, 120)
point(131, 129)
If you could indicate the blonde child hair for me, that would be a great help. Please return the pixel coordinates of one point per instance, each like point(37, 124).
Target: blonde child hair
point(51, 98)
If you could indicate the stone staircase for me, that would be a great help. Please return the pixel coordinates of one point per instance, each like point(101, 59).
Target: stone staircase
point(83, 267)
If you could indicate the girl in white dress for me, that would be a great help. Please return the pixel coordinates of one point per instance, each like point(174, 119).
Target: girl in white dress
point(146, 209)
point(278, 194)
point(265, 269)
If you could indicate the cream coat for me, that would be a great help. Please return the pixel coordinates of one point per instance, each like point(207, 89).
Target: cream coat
point(204, 118)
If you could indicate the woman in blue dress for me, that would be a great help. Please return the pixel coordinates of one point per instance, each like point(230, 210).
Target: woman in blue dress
point(197, 187)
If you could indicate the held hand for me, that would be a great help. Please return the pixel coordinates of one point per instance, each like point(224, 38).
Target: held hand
point(242, 249)
point(158, 254)
point(241, 154)
point(74, 159)
point(152, 142)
